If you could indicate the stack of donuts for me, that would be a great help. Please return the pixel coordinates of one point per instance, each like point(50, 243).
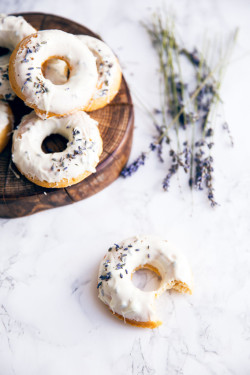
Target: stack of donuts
point(60, 76)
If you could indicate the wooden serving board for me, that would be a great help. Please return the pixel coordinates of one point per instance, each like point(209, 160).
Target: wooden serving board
point(18, 196)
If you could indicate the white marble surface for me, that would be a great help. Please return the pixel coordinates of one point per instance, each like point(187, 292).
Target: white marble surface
point(51, 321)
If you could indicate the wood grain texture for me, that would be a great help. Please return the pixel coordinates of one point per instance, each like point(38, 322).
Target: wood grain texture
point(18, 196)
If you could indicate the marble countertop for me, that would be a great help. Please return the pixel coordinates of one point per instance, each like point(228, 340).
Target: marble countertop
point(51, 321)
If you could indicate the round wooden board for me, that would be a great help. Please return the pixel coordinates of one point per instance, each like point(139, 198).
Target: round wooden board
point(18, 196)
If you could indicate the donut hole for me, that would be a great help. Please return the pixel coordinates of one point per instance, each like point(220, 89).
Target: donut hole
point(146, 278)
point(4, 51)
point(56, 70)
point(54, 143)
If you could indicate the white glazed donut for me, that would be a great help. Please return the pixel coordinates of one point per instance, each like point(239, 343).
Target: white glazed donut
point(12, 31)
point(115, 285)
point(109, 73)
point(6, 124)
point(59, 169)
point(30, 85)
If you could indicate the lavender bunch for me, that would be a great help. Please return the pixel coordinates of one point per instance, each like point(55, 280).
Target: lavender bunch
point(183, 122)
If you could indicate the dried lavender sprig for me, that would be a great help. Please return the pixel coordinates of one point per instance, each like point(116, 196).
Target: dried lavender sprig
point(177, 163)
point(204, 164)
point(133, 167)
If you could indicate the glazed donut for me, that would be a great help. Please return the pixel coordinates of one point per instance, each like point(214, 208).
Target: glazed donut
point(35, 90)
point(115, 285)
point(56, 71)
point(6, 124)
point(60, 169)
point(12, 31)
point(109, 73)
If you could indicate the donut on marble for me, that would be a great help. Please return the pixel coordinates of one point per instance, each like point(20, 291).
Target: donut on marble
point(12, 31)
point(6, 124)
point(60, 169)
point(29, 83)
point(109, 73)
point(115, 286)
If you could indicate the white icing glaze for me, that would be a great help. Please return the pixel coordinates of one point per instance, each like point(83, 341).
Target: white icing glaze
point(4, 115)
point(107, 64)
point(56, 71)
point(41, 92)
point(6, 91)
point(83, 147)
point(12, 31)
point(115, 285)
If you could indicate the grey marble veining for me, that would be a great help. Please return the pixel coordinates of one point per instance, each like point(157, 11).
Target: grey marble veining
point(51, 321)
